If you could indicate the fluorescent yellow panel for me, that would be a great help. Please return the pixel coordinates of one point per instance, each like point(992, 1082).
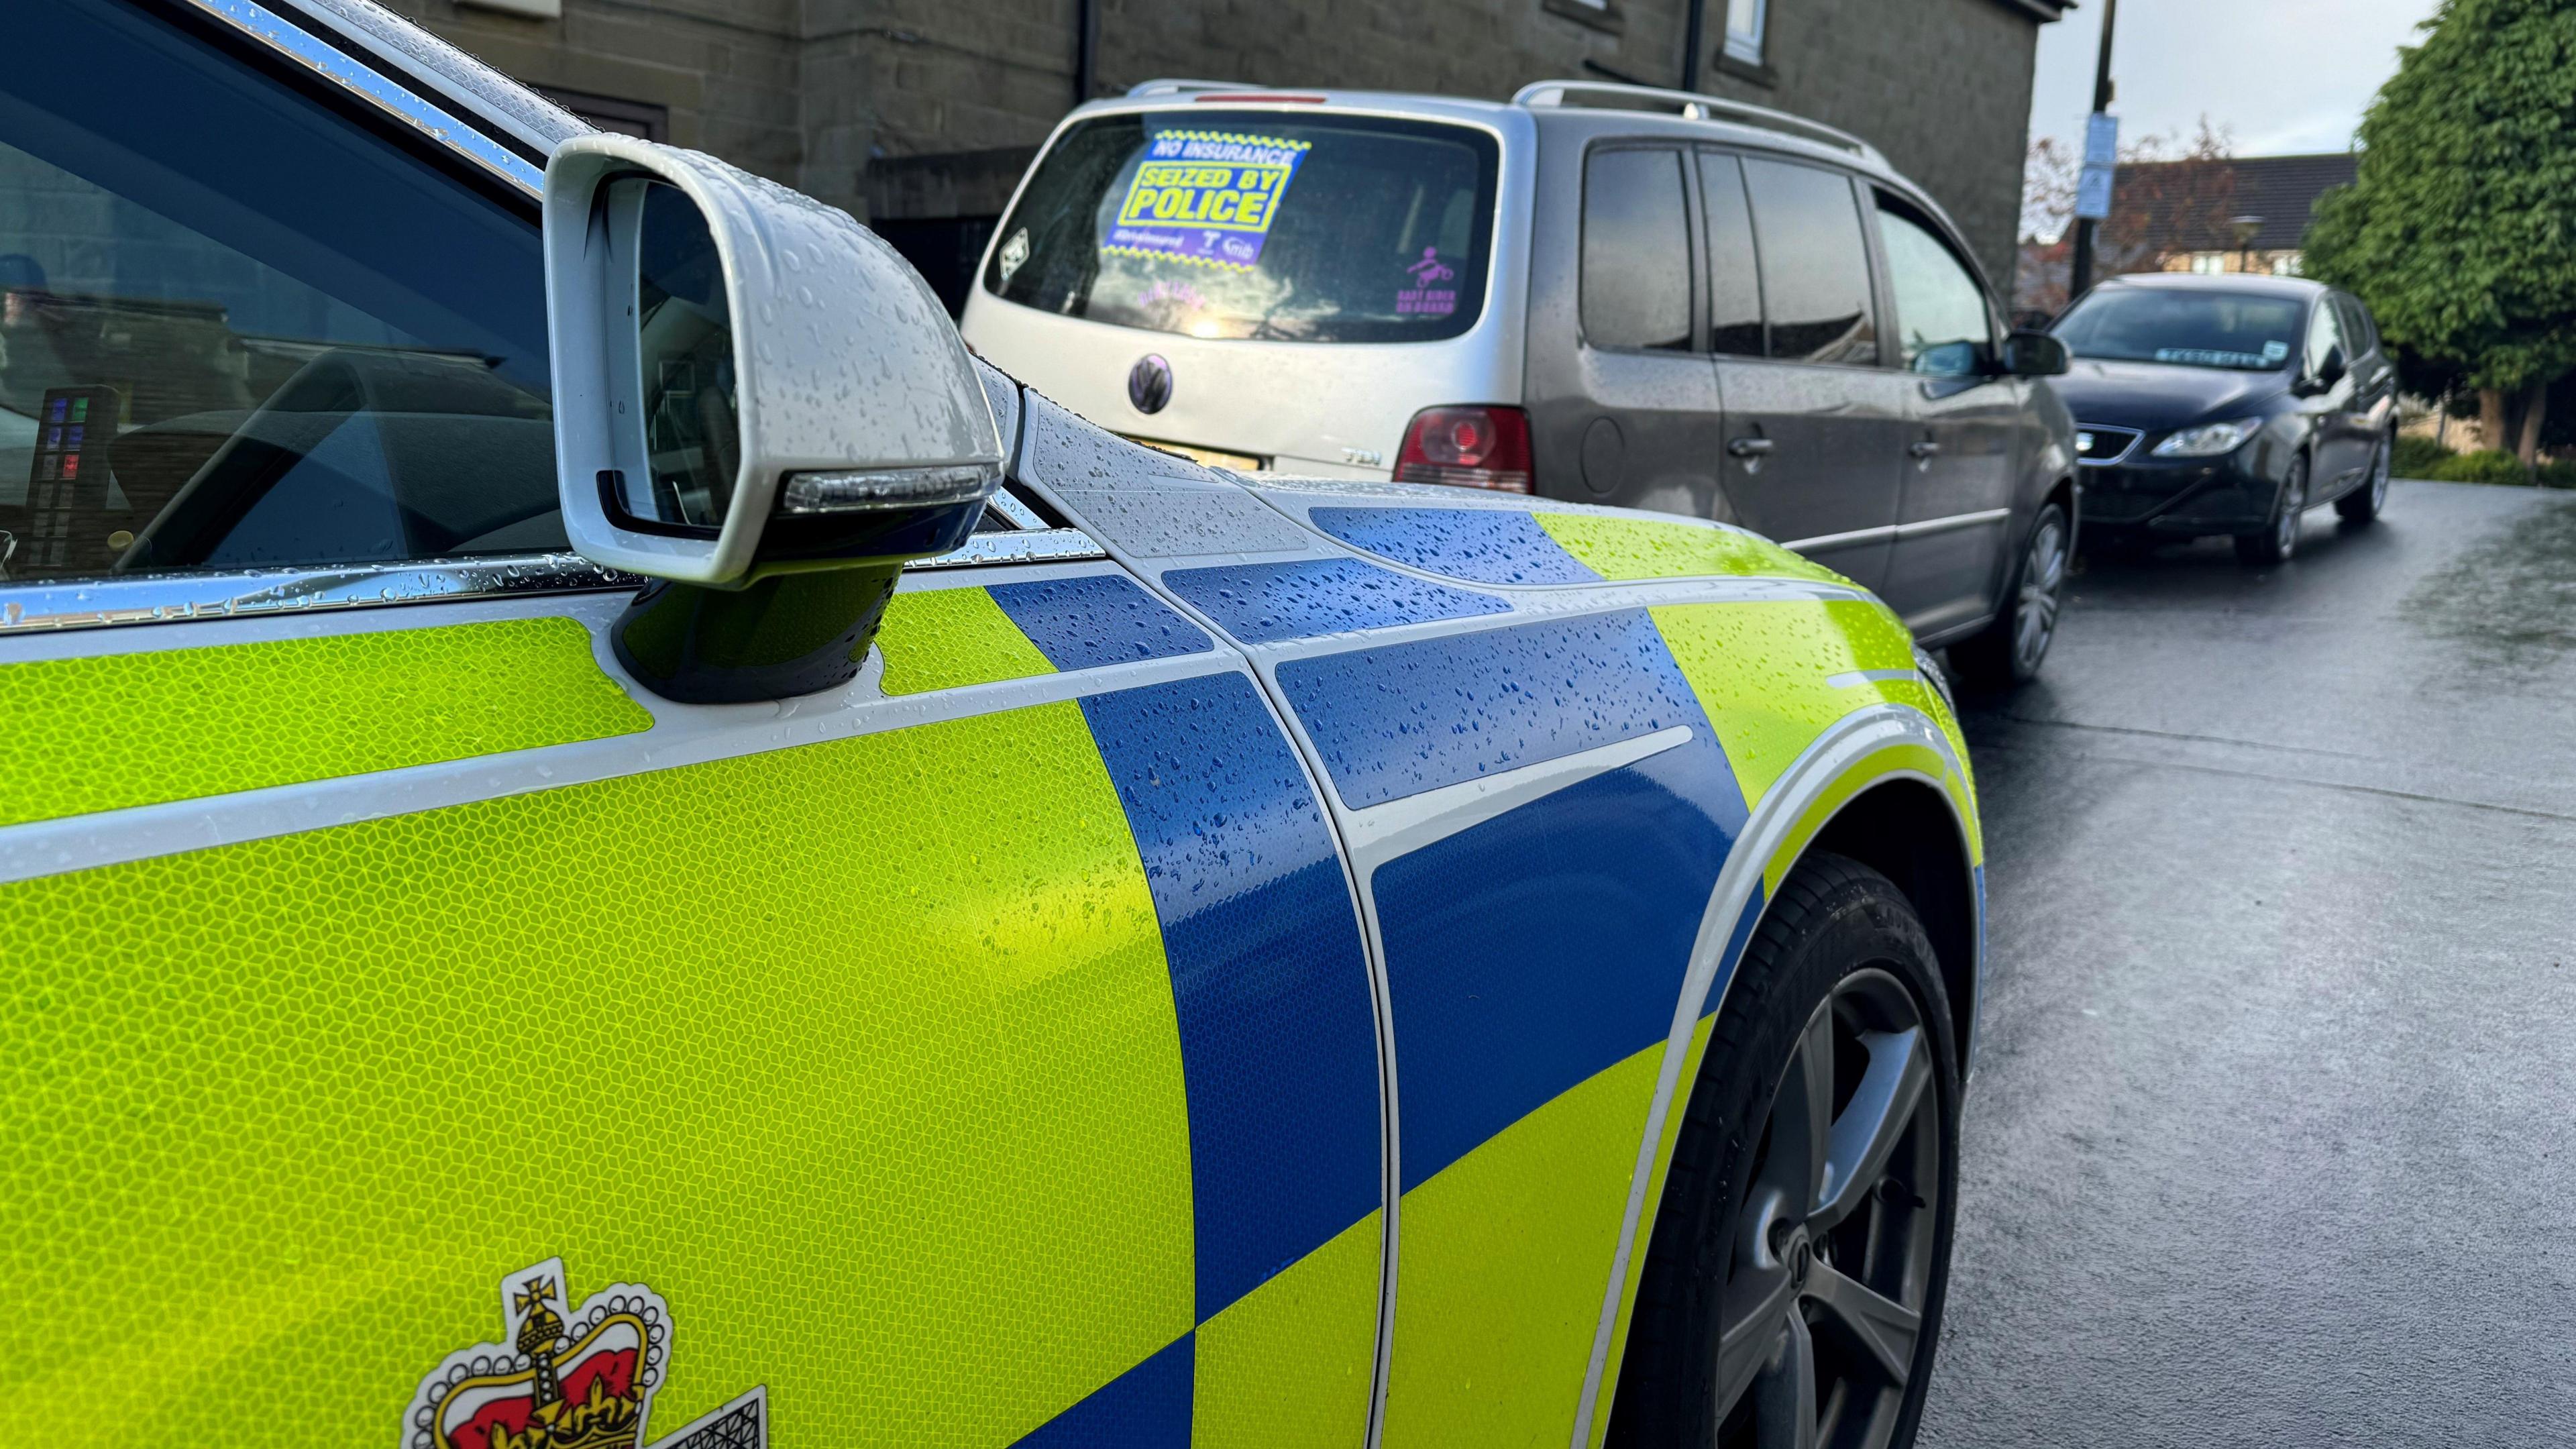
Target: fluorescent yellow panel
point(118, 730)
point(1638, 547)
point(1289, 1365)
point(949, 638)
point(1503, 1260)
point(862, 1054)
point(1759, 670)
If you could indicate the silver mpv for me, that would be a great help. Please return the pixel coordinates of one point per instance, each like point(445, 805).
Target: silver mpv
point(1594, 292)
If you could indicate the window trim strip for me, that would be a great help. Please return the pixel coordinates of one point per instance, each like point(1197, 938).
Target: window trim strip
point(43, 608)
point(371, 86)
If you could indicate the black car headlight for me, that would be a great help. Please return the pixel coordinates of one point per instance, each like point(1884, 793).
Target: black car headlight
point(2209, 439)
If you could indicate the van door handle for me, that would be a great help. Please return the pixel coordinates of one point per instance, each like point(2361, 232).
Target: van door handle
point(1925, 450)
point(1749, 447)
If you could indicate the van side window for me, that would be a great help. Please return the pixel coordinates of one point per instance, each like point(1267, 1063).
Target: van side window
point(239, 330)
point(1941, 320)
point(1734, 282)
point(1815, 264)
point(1636, 251)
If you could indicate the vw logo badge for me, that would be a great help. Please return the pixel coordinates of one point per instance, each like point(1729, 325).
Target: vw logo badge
point(1149, 383)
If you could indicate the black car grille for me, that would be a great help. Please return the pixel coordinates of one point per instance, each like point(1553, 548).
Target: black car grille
point(2099, 445)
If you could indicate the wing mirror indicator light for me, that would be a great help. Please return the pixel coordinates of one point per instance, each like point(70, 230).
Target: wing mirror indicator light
point(1468, 447)
point(879, 489)
point(2209, 440)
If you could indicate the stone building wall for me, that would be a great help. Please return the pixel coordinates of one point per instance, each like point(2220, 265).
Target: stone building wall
point(918, 115)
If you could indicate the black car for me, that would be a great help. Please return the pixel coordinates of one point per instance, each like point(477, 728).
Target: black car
point(2226, 404)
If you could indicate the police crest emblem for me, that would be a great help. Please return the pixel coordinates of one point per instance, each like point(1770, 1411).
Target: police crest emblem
point(568, 1378)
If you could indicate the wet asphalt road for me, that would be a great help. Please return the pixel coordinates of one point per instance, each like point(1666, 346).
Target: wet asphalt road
point(2273, 1134)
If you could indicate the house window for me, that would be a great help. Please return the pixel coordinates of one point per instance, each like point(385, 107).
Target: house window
point(1744, 29)
point(640, 119)
point(2209, 264)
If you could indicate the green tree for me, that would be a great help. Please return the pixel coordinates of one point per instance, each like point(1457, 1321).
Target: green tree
point(2459, 231)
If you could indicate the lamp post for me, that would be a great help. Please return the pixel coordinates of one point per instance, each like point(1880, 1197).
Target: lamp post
point(2247, 228)
point(2079, 271)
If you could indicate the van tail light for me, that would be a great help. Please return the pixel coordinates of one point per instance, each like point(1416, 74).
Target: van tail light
point(1467, 448)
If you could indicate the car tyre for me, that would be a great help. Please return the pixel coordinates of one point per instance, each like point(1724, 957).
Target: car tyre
point(2277, 541)
point(2010, 650)
point(2365, 503)
point(1781, 1282)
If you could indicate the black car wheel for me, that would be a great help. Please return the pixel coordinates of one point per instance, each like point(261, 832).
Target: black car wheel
point(2363, 504)
point(1792, 1293)
point(2009, 651)
point(2278, 539)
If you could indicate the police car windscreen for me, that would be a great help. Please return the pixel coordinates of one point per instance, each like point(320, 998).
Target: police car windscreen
point(1300, 228)
point(2189, 329)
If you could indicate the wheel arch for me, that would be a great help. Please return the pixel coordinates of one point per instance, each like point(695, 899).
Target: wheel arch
point(1906, 829)
point(2062, 493)
point(1888, 786)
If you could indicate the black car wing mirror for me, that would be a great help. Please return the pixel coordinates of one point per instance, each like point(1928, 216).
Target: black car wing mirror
point(2033, 354)
point(759, 406)
point(2330, 368)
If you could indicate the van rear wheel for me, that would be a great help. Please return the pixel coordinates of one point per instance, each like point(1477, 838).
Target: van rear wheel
point(2009, 651)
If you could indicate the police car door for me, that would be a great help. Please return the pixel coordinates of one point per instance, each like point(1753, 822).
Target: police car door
point(417, 1030)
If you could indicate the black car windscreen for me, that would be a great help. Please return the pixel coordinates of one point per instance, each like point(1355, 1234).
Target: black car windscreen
point(2238, 331)
point(1257, 224)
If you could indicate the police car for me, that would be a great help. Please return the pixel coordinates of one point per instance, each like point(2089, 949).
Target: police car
point(605, 840)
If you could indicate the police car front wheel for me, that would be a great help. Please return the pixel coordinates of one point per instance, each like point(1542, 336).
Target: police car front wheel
point(1792, 1293)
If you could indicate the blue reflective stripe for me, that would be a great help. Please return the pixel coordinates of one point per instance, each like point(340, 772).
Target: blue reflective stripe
point(1258, 603)
point(1278, 1038)
point(1527, 953)
point(1147, 1407)
point(1485, 545)
point(1399, 720)
point(1084, 623)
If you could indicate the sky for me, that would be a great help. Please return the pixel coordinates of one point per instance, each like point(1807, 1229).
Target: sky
point(2284, 76)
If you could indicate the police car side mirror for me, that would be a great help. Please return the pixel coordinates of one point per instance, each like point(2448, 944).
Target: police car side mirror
point(758, 405)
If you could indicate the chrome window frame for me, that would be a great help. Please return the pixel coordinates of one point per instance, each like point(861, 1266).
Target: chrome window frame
point(166, 598)
point(374, 88)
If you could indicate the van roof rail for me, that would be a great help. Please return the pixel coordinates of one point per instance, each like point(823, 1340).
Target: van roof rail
point(1692, 105)
point(1177, 86)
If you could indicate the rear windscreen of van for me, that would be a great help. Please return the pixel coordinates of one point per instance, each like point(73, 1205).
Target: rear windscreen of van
point(1298, 228)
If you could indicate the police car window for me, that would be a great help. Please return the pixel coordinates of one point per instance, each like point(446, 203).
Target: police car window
point(1636, 251)
point(1815, 265)
point(238, 329)
point(1941, 322)
point(1256, 224)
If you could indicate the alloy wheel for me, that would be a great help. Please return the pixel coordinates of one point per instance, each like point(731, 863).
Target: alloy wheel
point(1831, 1253)
point(2043, 584)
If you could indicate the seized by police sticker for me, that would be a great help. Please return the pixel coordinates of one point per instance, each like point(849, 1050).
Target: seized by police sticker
point(1205, 196)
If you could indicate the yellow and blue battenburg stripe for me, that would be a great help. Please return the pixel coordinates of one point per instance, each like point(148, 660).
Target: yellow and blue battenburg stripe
point(1059, 1123)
